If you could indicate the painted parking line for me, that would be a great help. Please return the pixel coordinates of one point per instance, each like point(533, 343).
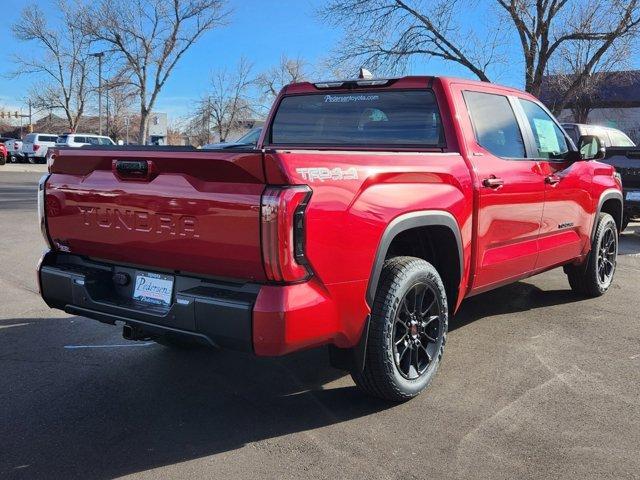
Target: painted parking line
point(14, 325)
point(77, 347)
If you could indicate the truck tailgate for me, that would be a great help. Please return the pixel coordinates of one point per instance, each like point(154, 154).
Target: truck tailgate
point(183, 210)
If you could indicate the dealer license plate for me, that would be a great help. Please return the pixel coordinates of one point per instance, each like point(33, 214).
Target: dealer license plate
point(153, 288)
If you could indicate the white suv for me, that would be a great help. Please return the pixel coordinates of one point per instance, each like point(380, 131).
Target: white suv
point(79, 139)
point(35, 146)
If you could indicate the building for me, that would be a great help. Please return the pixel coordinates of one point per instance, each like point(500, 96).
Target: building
point(157, 129)
point(614, 101)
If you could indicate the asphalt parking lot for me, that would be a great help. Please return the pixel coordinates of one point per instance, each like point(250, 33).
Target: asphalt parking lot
point(536, 383)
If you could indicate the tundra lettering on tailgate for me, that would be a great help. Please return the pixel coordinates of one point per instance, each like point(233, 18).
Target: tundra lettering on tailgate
point(140, 221)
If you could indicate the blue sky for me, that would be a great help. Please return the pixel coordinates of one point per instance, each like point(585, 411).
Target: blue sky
point(260, 30)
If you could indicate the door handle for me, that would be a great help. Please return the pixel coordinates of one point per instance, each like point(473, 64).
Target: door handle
point(492, 182)
point(552, 179)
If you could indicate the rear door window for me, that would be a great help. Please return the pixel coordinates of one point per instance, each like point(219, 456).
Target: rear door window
point(79, 140)
point(386, 118)
point(104, 141)
point(495, 124)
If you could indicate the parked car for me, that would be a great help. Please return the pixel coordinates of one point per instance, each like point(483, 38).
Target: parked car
point(626, 161)
point(14, 148)
point(248, 139)
point(7, 142)
point(624, 156)
point(35, 146)
point(3, 154)
point(369, 212)
point(80, 139)
point(610, 137)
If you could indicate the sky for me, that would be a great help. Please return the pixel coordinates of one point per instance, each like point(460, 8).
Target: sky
point(259, 30)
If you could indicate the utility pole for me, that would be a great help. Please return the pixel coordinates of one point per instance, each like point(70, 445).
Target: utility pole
point(99, 56)
point(107, 94)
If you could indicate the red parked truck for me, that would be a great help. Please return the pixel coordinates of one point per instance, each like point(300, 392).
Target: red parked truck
point(365, 215)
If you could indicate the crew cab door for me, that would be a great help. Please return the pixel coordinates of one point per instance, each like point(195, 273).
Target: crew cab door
point(565, 219)
point(510, 190)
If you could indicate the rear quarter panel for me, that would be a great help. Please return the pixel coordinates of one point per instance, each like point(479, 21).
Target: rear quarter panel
point(346, 218)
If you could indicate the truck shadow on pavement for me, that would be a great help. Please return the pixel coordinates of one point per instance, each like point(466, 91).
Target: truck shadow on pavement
point(513, 298)
point(630, 240)
point(105, 412)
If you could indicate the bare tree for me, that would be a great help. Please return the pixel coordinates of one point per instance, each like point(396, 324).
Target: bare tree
point(545, 27)
point(388, 33)
point(572, 57)
point(228, 104)
point(288, 70)
point(198, 126)
point(151, 36)
point(121, 94)
point(63, 67)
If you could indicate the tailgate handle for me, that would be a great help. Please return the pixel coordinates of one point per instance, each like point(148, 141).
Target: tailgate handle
point(133, 169)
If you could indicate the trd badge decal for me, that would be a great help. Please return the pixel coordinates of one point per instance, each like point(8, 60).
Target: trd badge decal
point(324, 173)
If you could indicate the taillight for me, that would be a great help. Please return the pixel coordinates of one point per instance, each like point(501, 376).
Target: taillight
point(283, 233)
point(35, 147)
point(50, 157)
point(42, 209)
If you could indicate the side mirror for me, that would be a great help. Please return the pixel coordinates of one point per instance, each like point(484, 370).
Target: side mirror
point(591, 148)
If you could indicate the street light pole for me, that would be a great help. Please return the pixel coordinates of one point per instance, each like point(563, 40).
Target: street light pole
point(107, 95)
point(99, 56)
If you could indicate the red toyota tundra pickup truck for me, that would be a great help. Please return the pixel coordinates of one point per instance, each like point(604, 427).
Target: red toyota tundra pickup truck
point(367, 212)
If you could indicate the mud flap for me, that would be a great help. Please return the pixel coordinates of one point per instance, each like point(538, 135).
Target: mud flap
point(351, 359)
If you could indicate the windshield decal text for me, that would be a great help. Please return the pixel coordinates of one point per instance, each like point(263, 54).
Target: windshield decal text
point(349, 98)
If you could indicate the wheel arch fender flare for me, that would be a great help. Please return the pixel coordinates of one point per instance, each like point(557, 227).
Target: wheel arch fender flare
point(609, 194)
point(354, 358)
point(422, 218)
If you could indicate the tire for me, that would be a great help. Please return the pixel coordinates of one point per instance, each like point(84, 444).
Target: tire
point(594, 277)
point(3, 159)
point(13, 159)
point(405, 344)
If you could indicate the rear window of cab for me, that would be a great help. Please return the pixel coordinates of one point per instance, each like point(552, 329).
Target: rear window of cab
point(387, 118)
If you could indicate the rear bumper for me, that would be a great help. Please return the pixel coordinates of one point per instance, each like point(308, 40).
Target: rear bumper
point(215, 313)
point(268, 320)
